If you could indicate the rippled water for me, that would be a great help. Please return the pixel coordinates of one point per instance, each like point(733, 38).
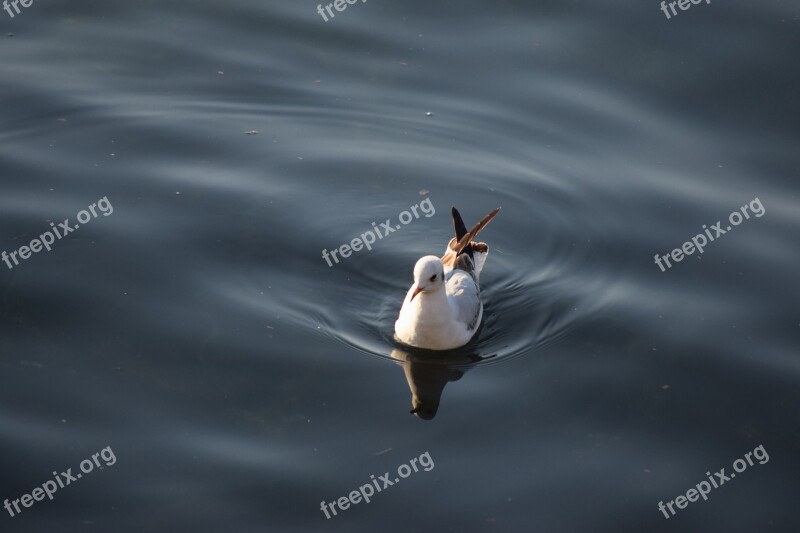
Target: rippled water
point(198, 332)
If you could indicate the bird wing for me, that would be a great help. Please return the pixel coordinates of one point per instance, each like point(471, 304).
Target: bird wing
point(464, 298)
point(463, 245)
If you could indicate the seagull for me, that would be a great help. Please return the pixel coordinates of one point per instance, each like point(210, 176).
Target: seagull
point(443, 309)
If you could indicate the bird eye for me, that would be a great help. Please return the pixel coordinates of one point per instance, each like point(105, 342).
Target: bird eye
point(433, 278)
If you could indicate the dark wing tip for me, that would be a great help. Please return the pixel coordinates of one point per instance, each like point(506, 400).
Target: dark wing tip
point(458, 224)
point(465, 242)
point(461, 230)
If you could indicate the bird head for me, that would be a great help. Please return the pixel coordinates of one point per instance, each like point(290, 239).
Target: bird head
point(428, 275)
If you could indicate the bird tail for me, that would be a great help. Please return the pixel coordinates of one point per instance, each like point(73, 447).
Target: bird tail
point(463, 243)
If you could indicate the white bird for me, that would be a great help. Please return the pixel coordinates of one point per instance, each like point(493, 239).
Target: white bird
point(443, 307)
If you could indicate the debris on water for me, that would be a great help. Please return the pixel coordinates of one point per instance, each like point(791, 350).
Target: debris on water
point(251, 132)
point(428, 114)
point(664, 386)
point(423, 192)
point(383, 452)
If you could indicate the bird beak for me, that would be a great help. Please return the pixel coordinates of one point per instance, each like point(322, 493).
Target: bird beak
point(417, 290)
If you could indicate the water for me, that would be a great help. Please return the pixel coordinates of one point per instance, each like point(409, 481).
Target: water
point(199, 335)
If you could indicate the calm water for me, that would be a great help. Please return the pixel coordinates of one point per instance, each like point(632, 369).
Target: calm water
point(197, 334)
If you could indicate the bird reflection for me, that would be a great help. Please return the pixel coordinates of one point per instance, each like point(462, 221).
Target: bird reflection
point(427, 374)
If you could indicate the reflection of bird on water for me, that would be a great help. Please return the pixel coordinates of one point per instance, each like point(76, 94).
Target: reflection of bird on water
point(427, 377)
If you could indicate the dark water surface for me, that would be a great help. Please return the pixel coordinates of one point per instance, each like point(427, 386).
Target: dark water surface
point(196, 334)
